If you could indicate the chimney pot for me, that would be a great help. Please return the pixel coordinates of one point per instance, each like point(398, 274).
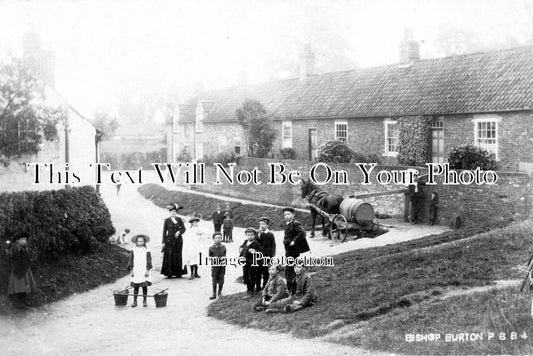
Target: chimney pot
point(307, 67)
point(409, 48)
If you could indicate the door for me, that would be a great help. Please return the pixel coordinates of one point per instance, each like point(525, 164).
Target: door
point(312, 144)
point(437, 144)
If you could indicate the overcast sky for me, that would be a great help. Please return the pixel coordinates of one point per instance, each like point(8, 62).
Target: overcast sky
point(102, 47)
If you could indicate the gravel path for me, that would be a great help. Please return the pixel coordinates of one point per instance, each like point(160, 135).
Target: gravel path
point(90, 323)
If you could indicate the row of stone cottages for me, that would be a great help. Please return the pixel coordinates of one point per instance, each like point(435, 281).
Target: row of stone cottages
point(485, 99)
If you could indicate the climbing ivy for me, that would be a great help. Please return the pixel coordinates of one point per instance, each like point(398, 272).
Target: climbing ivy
point(414, 134)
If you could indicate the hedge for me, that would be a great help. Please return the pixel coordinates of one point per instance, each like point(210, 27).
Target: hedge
point(58, 222)
point(197, 205)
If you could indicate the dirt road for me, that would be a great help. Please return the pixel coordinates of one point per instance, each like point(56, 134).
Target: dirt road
point(90, 323)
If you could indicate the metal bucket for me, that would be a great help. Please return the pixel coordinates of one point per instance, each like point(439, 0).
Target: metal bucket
point(160, 299)
point(121, 297)
point(357, 211)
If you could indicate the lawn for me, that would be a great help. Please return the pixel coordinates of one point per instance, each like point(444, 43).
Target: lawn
point(376, 284)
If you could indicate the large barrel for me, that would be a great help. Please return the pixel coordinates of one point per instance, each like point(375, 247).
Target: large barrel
point(357, 211)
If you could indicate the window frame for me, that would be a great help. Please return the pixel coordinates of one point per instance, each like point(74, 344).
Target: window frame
point(286, 141)
point(386, 124)
point(481, 119)
point(337, 137)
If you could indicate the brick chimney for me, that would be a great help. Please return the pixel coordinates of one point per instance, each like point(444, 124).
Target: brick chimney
point(409, 48)
point(307, 62)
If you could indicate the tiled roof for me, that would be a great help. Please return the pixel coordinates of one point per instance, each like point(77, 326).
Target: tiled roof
point(227, 101)
point(474, 83)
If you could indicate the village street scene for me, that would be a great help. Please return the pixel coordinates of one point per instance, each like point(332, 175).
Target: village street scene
point(288, 177)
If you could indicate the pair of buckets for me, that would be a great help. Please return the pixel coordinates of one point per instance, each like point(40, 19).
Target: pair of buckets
point(121, 298)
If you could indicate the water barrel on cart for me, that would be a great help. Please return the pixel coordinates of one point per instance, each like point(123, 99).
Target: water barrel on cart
point(357, 211)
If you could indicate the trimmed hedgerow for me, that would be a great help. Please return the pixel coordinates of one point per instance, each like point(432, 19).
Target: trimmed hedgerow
point(58, 222)
point(413, 140)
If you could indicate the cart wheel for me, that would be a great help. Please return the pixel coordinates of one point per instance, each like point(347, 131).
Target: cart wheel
point(338, 228)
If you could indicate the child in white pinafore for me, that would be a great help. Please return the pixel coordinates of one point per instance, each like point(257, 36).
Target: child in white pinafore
point(140, 265)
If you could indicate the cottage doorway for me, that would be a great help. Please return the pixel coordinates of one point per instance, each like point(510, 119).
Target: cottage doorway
point(437, 139)
point(312, 144)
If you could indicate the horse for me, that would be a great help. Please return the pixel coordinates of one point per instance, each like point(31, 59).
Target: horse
point(327, 202)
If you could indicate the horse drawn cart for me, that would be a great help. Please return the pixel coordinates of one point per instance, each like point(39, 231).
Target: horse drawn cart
point(343, 215)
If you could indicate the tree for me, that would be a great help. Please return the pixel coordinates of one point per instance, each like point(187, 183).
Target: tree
point(24, 116)
point(106, 123)
point(259, 135)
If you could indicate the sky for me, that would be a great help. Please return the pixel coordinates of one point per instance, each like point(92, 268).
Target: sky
point(104, 48)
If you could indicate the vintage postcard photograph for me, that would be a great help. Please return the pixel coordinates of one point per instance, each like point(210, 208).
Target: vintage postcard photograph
point(281, 177)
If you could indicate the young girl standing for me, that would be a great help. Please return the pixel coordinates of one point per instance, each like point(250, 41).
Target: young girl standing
point(140, 264)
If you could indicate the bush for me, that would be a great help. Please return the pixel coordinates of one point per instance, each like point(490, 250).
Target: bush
point(471, 157)
point(288, 153)
point(335, 152)
point(222, 157)
point(58, 222)
point(339, 152)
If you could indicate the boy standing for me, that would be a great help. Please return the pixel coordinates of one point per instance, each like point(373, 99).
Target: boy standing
point(218, 218)
point(217, 272)
point(227, 228)
point(267, 240)
point(295, 243)
point(247, 250)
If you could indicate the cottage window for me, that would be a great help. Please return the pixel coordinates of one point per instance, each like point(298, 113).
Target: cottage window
point(237, 145)
point(341, 131)
point(391, 138)
point(286, 130)
point(486, 134)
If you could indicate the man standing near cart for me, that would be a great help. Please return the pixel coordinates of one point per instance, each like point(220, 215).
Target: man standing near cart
point(295, 243)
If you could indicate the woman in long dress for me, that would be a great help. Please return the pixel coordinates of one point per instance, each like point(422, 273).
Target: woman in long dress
point(193, 246)
point(173, 229)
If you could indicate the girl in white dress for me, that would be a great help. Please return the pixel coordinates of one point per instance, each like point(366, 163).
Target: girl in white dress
point(140, 265)
point(193, 245)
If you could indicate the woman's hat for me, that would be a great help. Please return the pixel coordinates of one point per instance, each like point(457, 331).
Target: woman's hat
point(174, 206)
point(145, 237)
point(265, 219)
point(291, 209)
point(250, 229)
point(279, 267)
point(191, 220)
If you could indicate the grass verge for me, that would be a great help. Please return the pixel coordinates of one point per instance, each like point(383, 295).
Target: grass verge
point(72, 274)
point(367, 284)
point(203, 206)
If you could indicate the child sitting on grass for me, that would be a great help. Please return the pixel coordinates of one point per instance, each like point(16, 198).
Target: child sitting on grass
point(275, 289)
point(305, 295)
point(140, 264)
point(121, 239)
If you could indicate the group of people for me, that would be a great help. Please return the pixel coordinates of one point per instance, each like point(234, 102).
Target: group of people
point(287, 291)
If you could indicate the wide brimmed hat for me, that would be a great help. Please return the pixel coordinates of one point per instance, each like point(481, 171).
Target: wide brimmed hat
point(250, 229)
point(174, 206)
point(265, 219)
point(193, 219)
point(288, 208)
point(146, 238)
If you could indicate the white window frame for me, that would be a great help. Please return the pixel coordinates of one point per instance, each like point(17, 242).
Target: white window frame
point(386, 124)
point(483, 119)
point(337, 137)
point(237, 144)
point(286, 140)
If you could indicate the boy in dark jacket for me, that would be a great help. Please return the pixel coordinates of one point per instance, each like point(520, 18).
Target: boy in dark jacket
point(295, 243)
point(267, 240)
point(251, 274)
point(217, 272)
point(227, 228)
point(275, 289)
